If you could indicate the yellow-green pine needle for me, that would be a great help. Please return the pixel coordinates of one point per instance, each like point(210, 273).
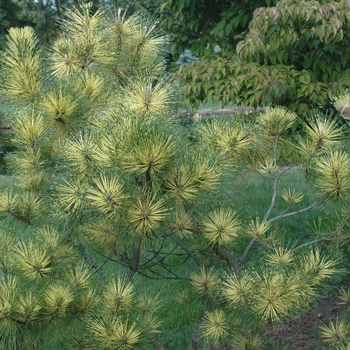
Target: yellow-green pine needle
point(28, 307)
point(274, 297)
point(276, 120)
point(21, 64)
point(187, 179)
point(33, 182)
point(61, 108)
point(182, 297)
point(238, 290)
point(292, 196)
point(151, 324)
point(149, 156)
point(344, 296)
point(336, 333)
point(125, 337)
point(57, 298)
point(79, 276)
point(87, 302)
point(34, 263)
point(205, 281)
point(64, 60)
point(183, 226)
point(8, 200)
point(318, 267)
point(221, 226)
point(108, 194)
point(146, 215)
point(248, 341)
point(29, 162)
point(86, 44)
point(142, 97)
point(324, 131)
point(9, 327)
point(48, 237)
point(29, 204)
point(258, 228)
point(8, 288)
point(148, 304)
point(232, 139)
point(9, 333)
point(306, 148)
point(118, 296)
point(92, 86)
point(101, 330)
point(268, 166)
point(102, 232)
point(8, 240)
point(71, 194)
point(30, 130)
point(81, 152)
point(333, 173)
point(280, 257)
point(214, 325)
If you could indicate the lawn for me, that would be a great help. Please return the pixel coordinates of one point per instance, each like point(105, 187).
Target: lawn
point(6, 182)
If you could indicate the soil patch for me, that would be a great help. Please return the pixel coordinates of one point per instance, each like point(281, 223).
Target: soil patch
point(303, 333)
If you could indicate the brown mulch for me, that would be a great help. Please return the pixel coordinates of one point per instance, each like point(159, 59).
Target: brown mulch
point(303, 333)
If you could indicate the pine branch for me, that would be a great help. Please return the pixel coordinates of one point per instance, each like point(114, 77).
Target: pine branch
point(246, 251)
point(92, 262)
point(283, 216)
point(134, 265)
point(315, 241)
point(19, 218)
point(233, 261)
point(187, 250)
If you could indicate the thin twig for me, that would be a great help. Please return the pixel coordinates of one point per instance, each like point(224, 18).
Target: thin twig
point(283, 216)
point(92, 262)
point(246, 251)
point(186, 249)
point(316, 241)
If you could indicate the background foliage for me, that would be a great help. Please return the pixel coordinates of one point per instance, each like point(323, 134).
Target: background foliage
point(293, 54)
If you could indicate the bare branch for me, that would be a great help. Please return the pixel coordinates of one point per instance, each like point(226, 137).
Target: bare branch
point(187, 250)
point(283, 216)
point(312, 242)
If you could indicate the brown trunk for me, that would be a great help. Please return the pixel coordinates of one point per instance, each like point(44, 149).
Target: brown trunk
point(235, 263)
point(196, 338)
point(157, 344)
point(134, 266)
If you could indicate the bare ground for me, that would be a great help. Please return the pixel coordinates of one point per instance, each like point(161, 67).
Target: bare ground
point(303, 333)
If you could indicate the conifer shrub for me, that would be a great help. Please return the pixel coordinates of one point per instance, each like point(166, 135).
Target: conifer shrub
point(105, 175)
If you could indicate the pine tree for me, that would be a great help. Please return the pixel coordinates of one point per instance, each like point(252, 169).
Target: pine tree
point(106, 174)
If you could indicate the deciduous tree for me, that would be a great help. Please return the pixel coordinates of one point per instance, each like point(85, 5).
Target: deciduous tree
point(294, 54)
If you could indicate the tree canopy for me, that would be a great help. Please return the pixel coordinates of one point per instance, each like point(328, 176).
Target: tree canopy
point(201, 25)
point(294, 54)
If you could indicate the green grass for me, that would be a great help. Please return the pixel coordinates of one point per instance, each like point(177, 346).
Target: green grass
point(6, 182)
point(5, 107)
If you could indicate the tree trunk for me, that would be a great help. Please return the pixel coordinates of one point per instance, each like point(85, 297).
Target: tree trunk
point(196, 338)
point(157, 344)
point(134, 266)
point(58, 7)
